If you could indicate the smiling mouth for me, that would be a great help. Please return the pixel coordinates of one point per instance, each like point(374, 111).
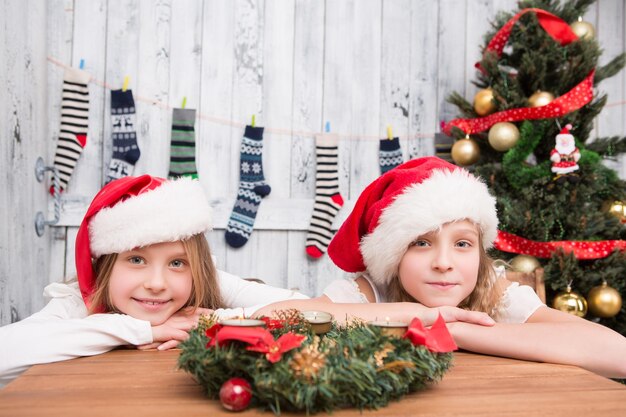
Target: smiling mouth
point(151, 303)
point(442, 285)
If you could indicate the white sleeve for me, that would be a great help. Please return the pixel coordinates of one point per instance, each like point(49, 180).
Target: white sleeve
point(243, 298)
point(62, 330)
point(518, 303)
point(344, 291)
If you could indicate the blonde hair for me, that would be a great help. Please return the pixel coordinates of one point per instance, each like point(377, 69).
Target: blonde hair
point(205, 291)
point(482, 298)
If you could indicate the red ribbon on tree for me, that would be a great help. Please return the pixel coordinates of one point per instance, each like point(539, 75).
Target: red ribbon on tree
point(436, 339)
point(556, 27)
point(574, 99)
point(508, 242)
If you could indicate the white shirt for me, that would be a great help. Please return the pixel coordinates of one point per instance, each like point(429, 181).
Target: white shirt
point(63, 329)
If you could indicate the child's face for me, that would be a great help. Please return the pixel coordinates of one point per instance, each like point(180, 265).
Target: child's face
point(151, 283)
point(441, 267)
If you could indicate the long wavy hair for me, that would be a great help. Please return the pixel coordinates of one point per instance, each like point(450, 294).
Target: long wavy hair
point(484, 297)
point(205, 291)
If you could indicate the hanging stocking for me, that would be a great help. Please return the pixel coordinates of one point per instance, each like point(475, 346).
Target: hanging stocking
point(252, 188)
point(74, 124)
point(125, 149)
point(183, 144)
point(328, 201)
point(390, 154)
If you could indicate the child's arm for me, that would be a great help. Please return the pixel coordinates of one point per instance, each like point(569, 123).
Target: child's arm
point(62, 330)
point(42, 339)
point(404, 312)
point(243, 298)
point(549, 336)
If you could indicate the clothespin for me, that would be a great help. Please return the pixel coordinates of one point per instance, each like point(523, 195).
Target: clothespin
point(253, 120)
point(125, 85)
point(82, 64)
point(182, 106)
point(327, 127)
point(389, 132)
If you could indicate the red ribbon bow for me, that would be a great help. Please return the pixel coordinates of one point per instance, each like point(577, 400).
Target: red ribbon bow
point(261, 340)
point(573, 100)
point(436, 339)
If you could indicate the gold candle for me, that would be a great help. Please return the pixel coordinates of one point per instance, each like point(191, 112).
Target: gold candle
point(320, 321)
point(391, 328)
point(242, 322)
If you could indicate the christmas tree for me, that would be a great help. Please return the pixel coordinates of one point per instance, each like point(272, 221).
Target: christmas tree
point(528, 134)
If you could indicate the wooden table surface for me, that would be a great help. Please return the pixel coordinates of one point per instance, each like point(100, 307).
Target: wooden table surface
point(135, 383)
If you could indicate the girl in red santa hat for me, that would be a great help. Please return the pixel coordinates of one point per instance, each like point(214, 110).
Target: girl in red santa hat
point(418, 235)
point(141, 259)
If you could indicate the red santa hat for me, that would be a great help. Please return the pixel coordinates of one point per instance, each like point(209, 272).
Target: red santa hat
point(414, 198)
point(132, 212)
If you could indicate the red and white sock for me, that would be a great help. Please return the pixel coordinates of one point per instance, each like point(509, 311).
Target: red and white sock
point(74, 124)
point(328, 201)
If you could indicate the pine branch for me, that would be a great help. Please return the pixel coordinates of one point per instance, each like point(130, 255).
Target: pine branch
point(609, 147)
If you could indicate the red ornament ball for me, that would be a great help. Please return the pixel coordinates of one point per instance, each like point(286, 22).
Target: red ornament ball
point(235, 394)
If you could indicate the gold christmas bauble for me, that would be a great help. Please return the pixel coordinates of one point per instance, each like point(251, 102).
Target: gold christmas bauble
point(604, 301)
point(540, 98)
point(525, 263)
point(618, 209)
point(583, 29)
point(483, 102)
point(465, 152)
point(570, 302)
point(503, 136)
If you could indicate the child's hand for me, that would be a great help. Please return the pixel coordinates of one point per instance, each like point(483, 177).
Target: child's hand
point(452, 314)
point(175, 329)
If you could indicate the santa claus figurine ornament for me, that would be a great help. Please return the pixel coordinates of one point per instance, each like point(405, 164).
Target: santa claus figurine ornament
point(565, 156)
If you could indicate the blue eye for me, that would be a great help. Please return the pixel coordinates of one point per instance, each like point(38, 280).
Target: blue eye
point(464, 244)
point(136, 260)
point(177, 263)
point(420, 243)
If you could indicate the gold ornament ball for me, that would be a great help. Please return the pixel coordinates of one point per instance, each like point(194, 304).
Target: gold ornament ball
point(503, 136)
point(540, 98)
point(618, 209)
point(583, 29)
point(570, 302)
point(525, 263)
point(604, 301)
point(465, 152)
point(483, 102)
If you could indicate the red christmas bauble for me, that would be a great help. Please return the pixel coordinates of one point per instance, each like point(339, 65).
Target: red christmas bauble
point(235, 394)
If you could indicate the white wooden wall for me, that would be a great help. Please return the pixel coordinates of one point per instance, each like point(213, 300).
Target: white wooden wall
point(295, 64)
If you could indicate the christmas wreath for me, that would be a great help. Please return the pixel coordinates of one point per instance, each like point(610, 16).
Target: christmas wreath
point(285, 366)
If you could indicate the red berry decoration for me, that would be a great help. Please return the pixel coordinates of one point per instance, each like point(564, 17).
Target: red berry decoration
point(236, 394)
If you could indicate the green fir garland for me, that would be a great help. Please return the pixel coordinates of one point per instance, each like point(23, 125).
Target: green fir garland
point(351, 366)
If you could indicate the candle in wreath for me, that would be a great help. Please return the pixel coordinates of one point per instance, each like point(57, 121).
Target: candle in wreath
point(242, 322)
point(320, 321)
point(391, 328)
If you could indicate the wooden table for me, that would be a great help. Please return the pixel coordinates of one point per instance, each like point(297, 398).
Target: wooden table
point(135, 383)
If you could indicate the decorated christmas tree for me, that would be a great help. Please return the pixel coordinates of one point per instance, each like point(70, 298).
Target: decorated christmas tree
point(529, 135)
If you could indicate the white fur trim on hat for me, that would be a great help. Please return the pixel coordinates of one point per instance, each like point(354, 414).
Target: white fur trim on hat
point(176, 210)
point(444, 197)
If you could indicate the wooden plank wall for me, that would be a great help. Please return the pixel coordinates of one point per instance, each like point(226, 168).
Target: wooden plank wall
point(24, 258)
point(295, 64)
